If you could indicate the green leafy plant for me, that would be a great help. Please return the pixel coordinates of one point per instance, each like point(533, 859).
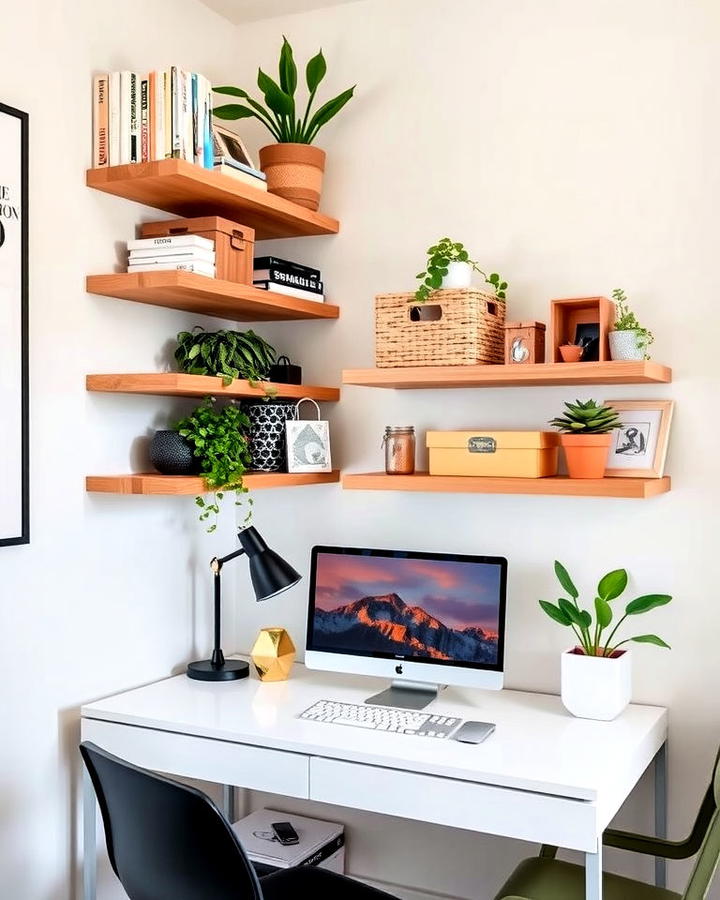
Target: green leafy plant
point(279, 115)
point(587, 418)
point(591, 635)
point(218, 439)
point(231, 354)
point(438, 258)
point(627, 321)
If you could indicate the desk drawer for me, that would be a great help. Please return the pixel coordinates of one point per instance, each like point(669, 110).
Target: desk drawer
point(204, 758)
point(458, 804)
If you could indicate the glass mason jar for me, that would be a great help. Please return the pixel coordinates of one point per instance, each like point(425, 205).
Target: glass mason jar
point(399, 443)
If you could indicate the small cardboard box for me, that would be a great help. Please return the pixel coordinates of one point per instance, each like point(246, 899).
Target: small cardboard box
point(496, 454)
point(321, 843)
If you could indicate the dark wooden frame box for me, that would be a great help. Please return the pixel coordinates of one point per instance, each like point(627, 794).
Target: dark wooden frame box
point(566, 315)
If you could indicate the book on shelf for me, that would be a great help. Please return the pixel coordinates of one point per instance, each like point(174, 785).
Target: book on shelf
point(241, 167)
point(199, 268)
point(101, 147)
point(114, 119)
point(142, 257)
point(289, 291)
point(291, 279)
point(251, 180)
point(172, 241)
point(262, 263)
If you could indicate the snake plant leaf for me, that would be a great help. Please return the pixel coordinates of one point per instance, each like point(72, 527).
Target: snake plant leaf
point(603, 612)
point(572, 612)
point(315, 71)
point(328, 110)
point(646, 603)
point(612, 584)
point(565, 580)
point(230, 111)
point(555, 613)
point(278, 101)
point(650, 639)
point(288, 69)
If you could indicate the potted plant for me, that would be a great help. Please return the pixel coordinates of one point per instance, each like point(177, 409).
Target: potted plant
point(596, 674)
point(571, 352)
point(585, 436)
point(629, 340)
point(230, 354)
point(449, 266)
point(218, 439)
point(294, 168)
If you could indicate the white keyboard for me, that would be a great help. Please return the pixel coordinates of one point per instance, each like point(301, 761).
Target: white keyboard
point(382, 718)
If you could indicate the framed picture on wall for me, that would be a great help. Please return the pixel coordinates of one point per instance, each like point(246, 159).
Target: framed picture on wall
point(639, 447)
point(14, 452)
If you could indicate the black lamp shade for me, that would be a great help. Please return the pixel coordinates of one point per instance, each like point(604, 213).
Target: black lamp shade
point(269, 573)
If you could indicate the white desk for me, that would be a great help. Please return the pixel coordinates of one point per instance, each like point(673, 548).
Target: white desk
point(542, 776)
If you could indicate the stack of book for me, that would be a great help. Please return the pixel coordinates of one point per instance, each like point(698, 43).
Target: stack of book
point(226, 165)
point(162, 115)
point(188, 252)
point(285, 277)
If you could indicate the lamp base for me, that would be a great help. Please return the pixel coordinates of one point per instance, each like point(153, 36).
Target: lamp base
point(231, 670)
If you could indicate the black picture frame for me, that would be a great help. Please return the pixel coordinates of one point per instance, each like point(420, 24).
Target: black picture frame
point(24, 536)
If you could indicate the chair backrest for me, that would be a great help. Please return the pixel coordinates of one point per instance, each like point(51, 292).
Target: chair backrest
point(166, 840)
point(708, 856)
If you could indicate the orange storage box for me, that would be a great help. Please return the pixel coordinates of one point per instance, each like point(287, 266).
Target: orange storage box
point(495, 454)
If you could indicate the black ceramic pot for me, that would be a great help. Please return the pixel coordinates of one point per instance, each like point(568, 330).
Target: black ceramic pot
point(171, 454)
point(267, 433)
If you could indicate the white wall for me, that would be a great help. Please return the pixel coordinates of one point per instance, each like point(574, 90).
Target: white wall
point(572, 147)
point(112, 591)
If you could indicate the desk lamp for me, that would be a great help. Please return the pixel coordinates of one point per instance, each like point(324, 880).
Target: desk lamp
point(270, 575)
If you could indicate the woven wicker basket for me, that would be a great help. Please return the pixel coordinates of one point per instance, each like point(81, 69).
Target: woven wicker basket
point(454, 328)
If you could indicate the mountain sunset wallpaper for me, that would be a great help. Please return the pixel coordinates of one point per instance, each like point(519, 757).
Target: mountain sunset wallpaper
point(437, 609)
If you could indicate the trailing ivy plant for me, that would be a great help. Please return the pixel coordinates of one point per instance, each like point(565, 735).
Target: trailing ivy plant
point(231, 354)
point(218, 439)
point(590, 636)
point(279, 115)
point(440, 255)
point(627, 321)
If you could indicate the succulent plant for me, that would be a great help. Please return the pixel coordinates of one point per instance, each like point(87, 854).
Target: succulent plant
point(587, 418)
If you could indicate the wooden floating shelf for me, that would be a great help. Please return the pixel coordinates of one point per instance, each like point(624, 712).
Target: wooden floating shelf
point(195, 293)
point(181, 485)
point(177, 186)
point(174, 384)
point(538, 374)
point(637, 488)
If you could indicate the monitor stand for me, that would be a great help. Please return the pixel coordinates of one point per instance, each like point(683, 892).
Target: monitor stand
point(406, 695)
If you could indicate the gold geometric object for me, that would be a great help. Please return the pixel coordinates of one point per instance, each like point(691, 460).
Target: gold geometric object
point(273, 654)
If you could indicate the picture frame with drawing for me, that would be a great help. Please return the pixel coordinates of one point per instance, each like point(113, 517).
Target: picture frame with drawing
point(228, 145)
point(639, 447)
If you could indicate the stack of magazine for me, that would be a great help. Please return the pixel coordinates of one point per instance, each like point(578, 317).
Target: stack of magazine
point(187, 252)
point(226, 165)
point(284, 277)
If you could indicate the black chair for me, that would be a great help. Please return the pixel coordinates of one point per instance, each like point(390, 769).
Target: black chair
point(167, 841)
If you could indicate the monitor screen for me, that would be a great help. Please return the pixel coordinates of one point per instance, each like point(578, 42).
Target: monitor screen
point(439, 608)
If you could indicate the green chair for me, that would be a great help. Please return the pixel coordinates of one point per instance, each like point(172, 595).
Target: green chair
point(546, 878)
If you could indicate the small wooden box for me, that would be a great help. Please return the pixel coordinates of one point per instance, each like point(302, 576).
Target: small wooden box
point(494, 454)
point(524, 343)
point(566, 315)
point(234, 244)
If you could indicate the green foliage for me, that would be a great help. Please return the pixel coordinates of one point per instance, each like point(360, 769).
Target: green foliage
point(232, 354)
point(278, 114)
point(587, 418)
point(218, 439)
point(627, 321)
point(439, 256)
point(611, 586)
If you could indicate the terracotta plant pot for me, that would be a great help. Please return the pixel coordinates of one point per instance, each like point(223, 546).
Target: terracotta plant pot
point(586, 454)
point(295, 172)
point(571, 352)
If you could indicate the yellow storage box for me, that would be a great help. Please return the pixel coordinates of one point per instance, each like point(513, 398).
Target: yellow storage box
point(496, 454)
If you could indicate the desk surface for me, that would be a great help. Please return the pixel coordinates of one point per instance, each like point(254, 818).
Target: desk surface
point(537, 745)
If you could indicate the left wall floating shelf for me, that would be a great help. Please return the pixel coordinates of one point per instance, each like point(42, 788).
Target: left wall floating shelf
point(178, 186)
point(183, 485)
point(199, 294)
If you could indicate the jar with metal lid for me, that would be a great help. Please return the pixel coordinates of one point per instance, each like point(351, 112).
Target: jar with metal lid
point(399, 444)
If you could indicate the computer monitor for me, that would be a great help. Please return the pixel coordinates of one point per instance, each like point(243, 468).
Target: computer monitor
point(422, 619)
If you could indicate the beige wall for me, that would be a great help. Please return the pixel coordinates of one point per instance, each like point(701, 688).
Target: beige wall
point(574, 148)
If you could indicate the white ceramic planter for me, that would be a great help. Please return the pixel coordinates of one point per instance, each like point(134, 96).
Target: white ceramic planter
point(624, 345)
point(595, 687)
point(459, 275)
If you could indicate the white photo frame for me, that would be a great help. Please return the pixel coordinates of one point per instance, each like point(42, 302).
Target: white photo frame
point(308, 442)
point(227, 143)
point(639, 447)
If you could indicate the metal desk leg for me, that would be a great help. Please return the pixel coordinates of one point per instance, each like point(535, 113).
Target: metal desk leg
point(89, 838)
point(661, 812)
point(229, 802)
point(593, 874)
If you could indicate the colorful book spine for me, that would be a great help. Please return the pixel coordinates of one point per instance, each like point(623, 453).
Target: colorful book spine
point(100, 121)
point(152, 114)
point(134, 119)
point(144, 121)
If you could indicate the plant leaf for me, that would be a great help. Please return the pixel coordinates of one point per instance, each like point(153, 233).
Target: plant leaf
point(612, 584)
point(651, 639)
point(646, 603)
point(278, 101)
point(555, 613)
point(565, 580)
point(233, 111)
point(327, 111)
point(315, 71)
point(603, 612)
point(288, 69)
point(572, 612)
point(233, 91)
